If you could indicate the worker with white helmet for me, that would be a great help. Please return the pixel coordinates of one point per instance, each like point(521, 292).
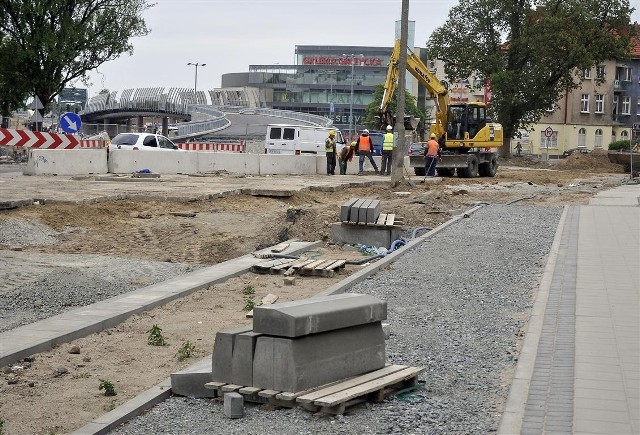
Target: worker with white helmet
point(387, 151)
point(364, 147)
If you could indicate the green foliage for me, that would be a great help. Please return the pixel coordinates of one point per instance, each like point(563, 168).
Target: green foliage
point(248, 290)
point(620, 145)
point(45, 44)
point(155, 337)
point(83, 375)
point(1, 426)
point(108, 387)
point(530, 55)
point(186, 350)
point(249, 304)
point(371, 115)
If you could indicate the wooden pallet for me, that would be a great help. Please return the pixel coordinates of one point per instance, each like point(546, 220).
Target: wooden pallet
point(385, 220)
point(335, 397)
point(303, 266)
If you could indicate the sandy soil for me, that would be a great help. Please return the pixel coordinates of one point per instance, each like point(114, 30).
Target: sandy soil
point(58, 391)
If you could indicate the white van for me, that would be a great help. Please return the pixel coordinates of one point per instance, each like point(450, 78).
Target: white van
point(299, 139)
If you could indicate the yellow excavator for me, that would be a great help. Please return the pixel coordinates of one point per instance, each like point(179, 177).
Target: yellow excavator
point(467, 136)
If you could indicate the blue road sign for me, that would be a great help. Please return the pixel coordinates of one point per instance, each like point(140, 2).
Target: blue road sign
point(70, 122)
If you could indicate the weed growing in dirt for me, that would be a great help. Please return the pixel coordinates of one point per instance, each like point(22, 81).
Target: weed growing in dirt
point(155, 336)
point(1, 426)
point(186, 350)
point(248, 290)
point(108, 387)
point(249, 304)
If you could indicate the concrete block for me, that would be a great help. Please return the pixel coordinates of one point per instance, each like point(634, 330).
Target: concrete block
point(362, 211)
point(364, 235)
point(386, 328)
point(242, 360)
point(239, 163)
point(297, 364)
point(233, 405)
point(289, 280)
point(190, 381)
point(221, 360)
point(287, 164)
point(373, 211)
point(355, 211)
point(81, 161)
point(169, 162)
point(318, 314)
point(345, 209)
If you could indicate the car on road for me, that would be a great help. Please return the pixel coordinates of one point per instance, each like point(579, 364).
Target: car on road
point(580, 150)
point(142, 141)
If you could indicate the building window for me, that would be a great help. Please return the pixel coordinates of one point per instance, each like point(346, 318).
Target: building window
point(587, 74)
point(626, 105)
point(626, 74)
point(615, 107)
point(624, 135)
point(549, 142)
point(582, 137)
point(598, 141)
point(600, 72)
point(584, 103)
point(599, 103)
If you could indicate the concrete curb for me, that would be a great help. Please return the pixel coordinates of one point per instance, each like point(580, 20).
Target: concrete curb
point(146, 400)
point(511, 422)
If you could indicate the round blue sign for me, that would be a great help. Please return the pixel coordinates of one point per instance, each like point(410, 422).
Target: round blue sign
point(70, 122)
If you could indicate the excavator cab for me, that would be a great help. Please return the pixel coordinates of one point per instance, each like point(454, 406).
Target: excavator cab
point(464, 121)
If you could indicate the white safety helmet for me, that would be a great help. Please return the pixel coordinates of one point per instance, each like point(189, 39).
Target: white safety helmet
point(389, 128)
point(365, 131)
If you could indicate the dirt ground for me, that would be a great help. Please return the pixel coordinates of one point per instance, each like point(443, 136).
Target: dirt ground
point(58, 391)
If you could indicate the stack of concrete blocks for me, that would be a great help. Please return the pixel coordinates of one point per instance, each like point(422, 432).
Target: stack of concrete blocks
point(303, 344)
point(356, 226)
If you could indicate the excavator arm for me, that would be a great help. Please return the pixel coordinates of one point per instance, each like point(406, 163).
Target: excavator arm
point(426, 78)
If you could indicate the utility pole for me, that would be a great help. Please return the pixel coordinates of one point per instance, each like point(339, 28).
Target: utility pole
point(400, 148)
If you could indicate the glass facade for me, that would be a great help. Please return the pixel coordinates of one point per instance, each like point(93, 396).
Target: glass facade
point(321, 81)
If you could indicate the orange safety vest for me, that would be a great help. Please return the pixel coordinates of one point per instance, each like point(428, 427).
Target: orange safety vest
point(365, 143)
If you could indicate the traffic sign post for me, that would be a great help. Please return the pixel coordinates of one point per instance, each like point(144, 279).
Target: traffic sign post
point(70, 122)
point(548, 132)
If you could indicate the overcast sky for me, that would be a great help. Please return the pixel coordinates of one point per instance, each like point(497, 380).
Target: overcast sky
point(230, 35)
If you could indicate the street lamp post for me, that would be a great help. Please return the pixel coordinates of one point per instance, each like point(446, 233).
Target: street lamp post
point(351, 123)
point(195, 85)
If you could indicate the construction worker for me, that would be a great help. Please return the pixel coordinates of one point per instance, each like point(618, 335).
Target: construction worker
point(330, 149)
point(431, 155)
point(345, 155)
point(364, 146)
point(387, 151)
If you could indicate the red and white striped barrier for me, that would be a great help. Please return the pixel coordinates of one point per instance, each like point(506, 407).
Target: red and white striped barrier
point(36, 139)
point(193, 146)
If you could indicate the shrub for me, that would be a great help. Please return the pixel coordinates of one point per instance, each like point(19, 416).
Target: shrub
point(155, 336)
point(186, 350)
point(107, 386)
point(620, 145)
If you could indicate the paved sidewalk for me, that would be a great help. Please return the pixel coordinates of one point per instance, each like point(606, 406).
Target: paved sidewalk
point(579, 369)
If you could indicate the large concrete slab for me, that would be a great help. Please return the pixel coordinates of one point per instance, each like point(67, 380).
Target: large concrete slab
point(364, 235)
point(297, 364)
point(81, 161)
point(222, 358)
point(320, 314)
point(190, 381)
point(345, 209)
point(242, 359)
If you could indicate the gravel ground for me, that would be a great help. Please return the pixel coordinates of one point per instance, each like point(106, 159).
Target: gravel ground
point(35, 286)
point(457, 305)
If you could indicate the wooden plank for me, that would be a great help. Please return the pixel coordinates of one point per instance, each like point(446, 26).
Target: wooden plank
point(249, 390)
point(368, 387)
point(336, 265)
point(303, 263)
point(279, 248)
point(214, 385)
point(283, 265)
point(230, 388)
point(268, 393)
point(350, 383)
point(390, 218)
point(291, 396)
point(324, 264)
point(312, 265)
point(381, 219)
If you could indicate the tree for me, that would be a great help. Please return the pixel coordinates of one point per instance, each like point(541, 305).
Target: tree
point(371, 114)
point(50, 43)
point(530, 56)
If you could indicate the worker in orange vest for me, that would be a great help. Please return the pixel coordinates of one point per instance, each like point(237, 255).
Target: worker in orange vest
point(431, 155)
point(364, 147)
